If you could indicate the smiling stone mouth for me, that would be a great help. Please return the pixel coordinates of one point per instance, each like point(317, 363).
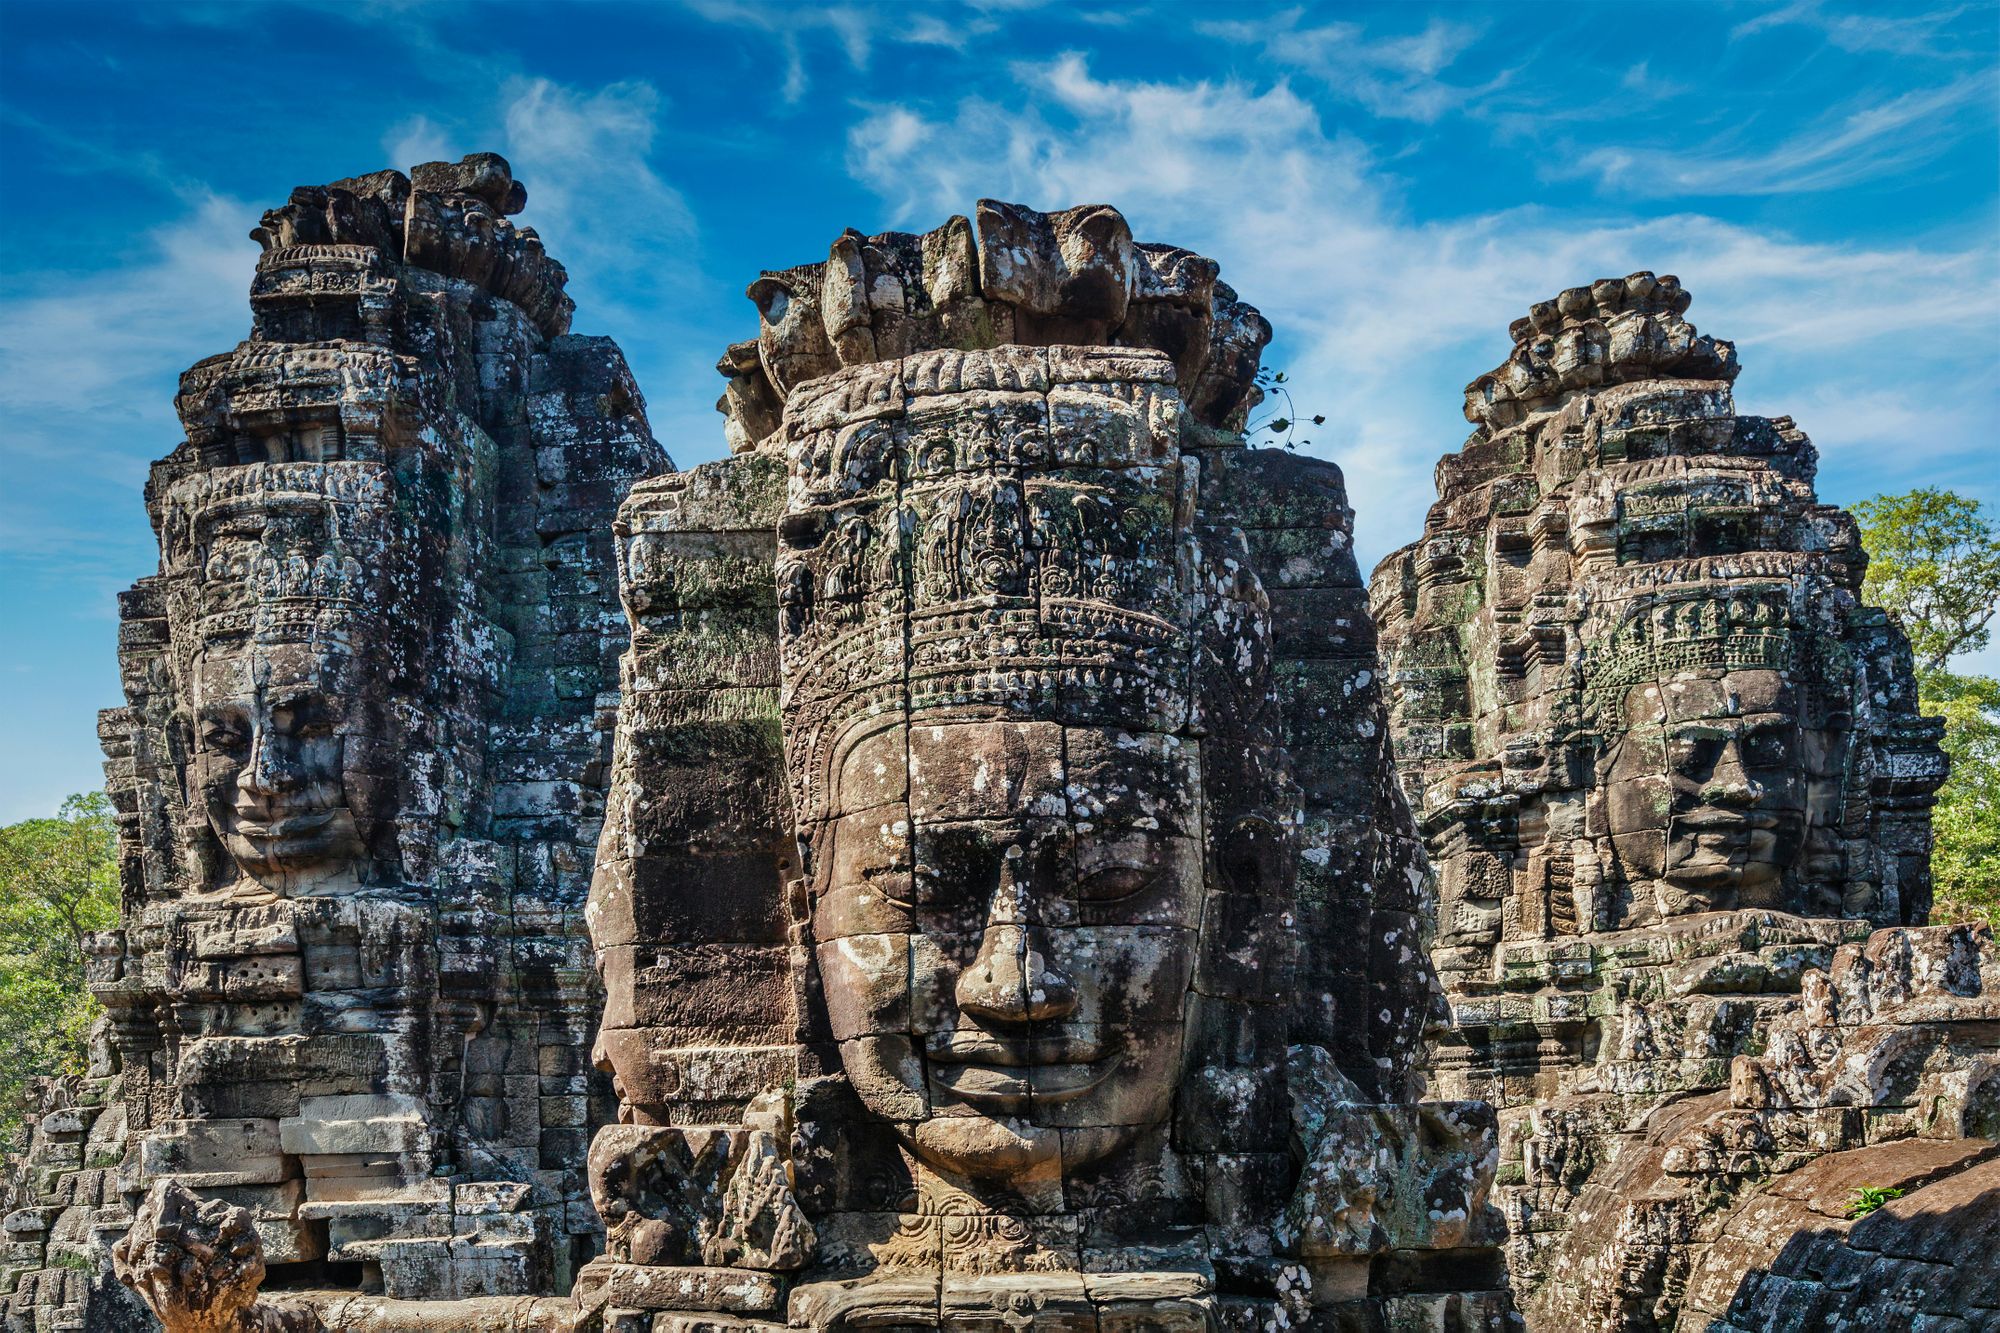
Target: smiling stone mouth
point(1726, 821)
point(284, 826)
point(983, 1048)
point(1013, 1086)
point(980, 1067)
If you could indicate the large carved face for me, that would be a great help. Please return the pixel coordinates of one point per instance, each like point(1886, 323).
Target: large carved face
point(1705, 795)
point(1006, 937)
point(270, 742)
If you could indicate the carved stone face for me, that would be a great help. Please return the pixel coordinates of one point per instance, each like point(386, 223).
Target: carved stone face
point(1705, 796)
point(1006, 940)
point(270, 746)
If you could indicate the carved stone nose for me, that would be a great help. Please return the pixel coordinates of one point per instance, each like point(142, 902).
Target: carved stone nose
point(268, 771)
point(1732, 793)
point(1731, 783)
point(1012, 981)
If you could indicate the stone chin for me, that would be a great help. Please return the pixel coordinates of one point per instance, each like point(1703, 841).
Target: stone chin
point(295, 847)
point(984, 1147)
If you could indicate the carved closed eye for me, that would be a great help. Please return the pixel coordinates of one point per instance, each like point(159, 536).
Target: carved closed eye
point(224, 736)
point(227, 733)
point(1694, 752)
point(1116, 883)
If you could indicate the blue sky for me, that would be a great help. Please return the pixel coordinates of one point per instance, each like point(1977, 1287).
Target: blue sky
point(1391, 185)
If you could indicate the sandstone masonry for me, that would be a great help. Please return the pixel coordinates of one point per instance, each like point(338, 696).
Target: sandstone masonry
point(966, 859)
point(1671, 774)
point(360, 770)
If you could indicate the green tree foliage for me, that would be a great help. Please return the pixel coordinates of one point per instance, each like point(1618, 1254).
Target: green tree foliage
point(1965, 856)
point(58, 882)
point(1934, 565)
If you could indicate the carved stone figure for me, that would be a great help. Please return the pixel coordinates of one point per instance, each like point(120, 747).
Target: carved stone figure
point(1665, 761)
point(986, 896)
point(980, 894)
point(199, 1264)
point(360, 772)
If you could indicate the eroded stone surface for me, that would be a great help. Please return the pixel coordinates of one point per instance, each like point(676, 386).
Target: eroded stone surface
point(198, 1264)
point(1885, 1073)
point(1006, 911)
point(979, 894)
point(1009, 276)
point(1669, 770)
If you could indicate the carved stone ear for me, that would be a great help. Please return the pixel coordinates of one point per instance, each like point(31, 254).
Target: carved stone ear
point(771, 297)
point(1251, 855)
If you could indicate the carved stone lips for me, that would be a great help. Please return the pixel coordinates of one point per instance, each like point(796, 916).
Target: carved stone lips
point(1726, 821)
point(978, 1067)
point(284, 825)
point(1011, 1087)
point(984, 1048)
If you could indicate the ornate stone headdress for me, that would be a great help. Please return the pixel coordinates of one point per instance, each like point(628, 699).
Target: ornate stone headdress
point(1017, 542)
point(279, 552)
point(1712, 627)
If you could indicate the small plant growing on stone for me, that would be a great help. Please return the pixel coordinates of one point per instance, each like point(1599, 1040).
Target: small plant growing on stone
point(1868, 1198)
point(1282, 425)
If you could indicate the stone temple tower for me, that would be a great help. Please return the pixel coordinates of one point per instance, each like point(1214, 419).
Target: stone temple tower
point(360, 769)
point(1671, 775)
point(1006, 914)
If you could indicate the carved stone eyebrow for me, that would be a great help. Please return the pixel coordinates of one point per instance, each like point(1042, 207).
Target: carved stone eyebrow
point(299, 698)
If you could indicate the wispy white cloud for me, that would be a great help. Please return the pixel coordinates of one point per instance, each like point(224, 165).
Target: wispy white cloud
point(1398, 76)
point(856, 29)
point(587, 159)
point(1382, 318)
point(103, 343)
point(88, 366)
point(1867, 141)
point(416, 139)
point(1896, 33)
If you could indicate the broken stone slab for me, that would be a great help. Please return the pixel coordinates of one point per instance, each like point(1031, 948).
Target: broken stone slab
point(211, 1153)
point(648, 1287)
point(379, 1124)
point(488, 1198)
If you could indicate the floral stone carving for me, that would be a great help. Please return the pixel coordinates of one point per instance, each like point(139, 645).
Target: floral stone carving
point(979, 895)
